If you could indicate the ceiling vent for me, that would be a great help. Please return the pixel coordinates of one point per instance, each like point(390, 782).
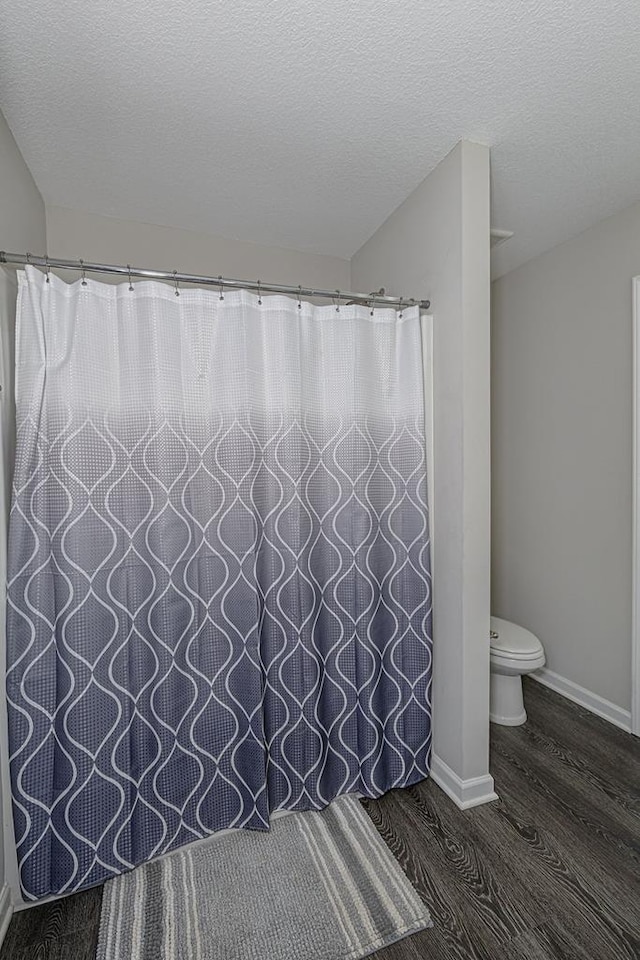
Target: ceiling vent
point(499, 236)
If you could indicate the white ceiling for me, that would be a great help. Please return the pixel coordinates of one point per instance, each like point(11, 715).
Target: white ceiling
point(304, 123)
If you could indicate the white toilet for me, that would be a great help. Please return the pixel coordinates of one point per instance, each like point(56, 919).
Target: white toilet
point(514, 652)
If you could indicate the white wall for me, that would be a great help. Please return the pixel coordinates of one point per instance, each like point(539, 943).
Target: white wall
point(562, 445)
point(436, 245)
point(72, 234)
point(22, 228)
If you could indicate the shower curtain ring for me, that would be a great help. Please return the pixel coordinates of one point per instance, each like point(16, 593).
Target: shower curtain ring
point(259, 295)
point(401, 309)
point(373, 304)
point(336, 301)
point(221, 297)
point(47, 267)
point(28, 257)
point(175, 278)
point(299, 298)
point(129, 272)
point(84, 279)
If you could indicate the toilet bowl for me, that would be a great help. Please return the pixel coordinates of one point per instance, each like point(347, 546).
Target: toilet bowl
point(514, 652)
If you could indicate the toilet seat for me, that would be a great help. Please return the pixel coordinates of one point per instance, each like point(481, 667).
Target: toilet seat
point(502, 656)
point(513, 642)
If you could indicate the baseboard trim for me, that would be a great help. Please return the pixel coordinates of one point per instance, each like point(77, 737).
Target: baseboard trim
point(464, 793)
point(585, 698)
point(6, 910)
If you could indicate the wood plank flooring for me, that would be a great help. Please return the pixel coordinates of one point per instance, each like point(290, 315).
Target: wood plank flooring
point(551, 871)
point(548, 872)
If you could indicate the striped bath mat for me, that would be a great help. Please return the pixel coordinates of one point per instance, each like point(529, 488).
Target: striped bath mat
point(318, 886)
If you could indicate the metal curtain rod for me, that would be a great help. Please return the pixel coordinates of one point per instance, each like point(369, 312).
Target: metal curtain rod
point(85, 267)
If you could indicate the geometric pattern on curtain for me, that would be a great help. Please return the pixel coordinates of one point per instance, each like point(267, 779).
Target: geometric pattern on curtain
point(219, 599)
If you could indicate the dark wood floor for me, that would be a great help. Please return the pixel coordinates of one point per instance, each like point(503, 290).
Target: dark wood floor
point(551, 871)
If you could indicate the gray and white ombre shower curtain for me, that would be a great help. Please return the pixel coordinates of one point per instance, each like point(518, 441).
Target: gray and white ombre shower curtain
point(219, 598)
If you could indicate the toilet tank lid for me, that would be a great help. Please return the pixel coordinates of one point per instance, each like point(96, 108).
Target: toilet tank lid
point(513, 639)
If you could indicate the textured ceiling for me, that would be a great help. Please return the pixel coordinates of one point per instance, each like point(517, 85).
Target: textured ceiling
point(304, 124)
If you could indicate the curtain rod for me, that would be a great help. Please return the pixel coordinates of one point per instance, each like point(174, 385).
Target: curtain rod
point(126, 271)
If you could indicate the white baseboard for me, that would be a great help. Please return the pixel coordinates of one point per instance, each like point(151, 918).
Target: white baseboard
point(464, 793)
point(6, 910)
point(590, 701)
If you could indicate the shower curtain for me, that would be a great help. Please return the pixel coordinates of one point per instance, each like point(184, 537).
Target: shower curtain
point(219, 597)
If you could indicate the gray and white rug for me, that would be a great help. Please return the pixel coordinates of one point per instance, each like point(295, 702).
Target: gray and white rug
point(318, 886)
